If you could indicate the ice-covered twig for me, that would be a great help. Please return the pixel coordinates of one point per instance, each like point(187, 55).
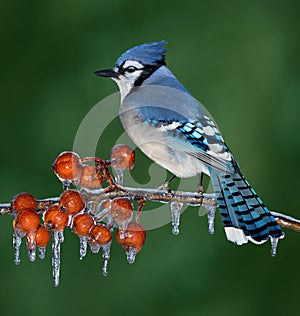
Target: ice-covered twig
point(190, 198)
point(5, 208)
point(286, 221)
point(156, 195)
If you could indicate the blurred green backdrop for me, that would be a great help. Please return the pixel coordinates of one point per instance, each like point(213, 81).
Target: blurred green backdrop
point(241, 59)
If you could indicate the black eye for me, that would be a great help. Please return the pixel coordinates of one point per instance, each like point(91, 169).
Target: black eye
point(130, 69)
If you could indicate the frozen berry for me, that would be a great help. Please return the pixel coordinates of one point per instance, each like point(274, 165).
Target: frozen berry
point(100, 234)
point(23, 201)
point(134, 237)
point(122, 157)
point(90, 179)
point(42, 236)
point(71, 202)
point(82, 224)
point(121, 210)
point(55, 219)
point(27, 221)
point(67, 166)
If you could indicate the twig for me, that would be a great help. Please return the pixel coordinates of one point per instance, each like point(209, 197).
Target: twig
point(286, 221)
point(42, 205)
point(156, 195)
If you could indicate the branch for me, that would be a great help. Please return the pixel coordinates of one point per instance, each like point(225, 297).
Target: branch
point(286, 221)
point(155, 195)
point(42, 205)
point(93, 211)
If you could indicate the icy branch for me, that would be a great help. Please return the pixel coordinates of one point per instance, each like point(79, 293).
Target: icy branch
point(286, 221)
point(156, 195)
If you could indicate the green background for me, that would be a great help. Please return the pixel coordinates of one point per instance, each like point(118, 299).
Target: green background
point(240, 59)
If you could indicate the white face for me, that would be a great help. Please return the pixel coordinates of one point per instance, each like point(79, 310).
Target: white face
point(131, 71)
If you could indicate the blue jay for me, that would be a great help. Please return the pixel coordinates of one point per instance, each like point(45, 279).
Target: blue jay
point(172, 128)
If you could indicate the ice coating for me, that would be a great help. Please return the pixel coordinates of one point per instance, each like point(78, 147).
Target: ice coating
point(57, 239)
point(42, 252)
point(31, 246)
point(94, 247)
point(274, 244)
point(83, 246)
point(32, 253)
point(66, 184)
point(17, 244)
point(131, 253)
point(175, 210)
point(119, 175)
point(211, 210)
point(123, 229)
point(102, 214)
point(105, 257)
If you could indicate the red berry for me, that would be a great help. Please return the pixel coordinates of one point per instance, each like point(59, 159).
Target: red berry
point(55, 219)
point(71, 202)
point(27, 221)
point(67, 166)
point(122, 157)
point(90, 178)
point(134, 237)
point(42, 236)
point(121, 210)
point(23, 201)
point(100, 234)
point(82, 224)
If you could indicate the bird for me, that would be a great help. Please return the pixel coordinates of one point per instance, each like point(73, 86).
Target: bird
point(174, 130)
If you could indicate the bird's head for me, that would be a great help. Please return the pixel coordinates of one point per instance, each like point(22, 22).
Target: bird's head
point(136, 65)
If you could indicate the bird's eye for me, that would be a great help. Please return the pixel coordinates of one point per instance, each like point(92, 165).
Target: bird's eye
point(130, 69)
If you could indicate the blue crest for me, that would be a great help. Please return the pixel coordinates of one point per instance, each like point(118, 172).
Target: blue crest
point(147, 54)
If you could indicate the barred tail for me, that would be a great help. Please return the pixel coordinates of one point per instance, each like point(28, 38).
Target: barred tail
point(244, 215)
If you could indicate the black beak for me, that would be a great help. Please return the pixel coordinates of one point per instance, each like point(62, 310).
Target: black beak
point(110, 73)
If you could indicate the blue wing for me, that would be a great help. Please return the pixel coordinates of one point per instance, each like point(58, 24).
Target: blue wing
point(200, 139)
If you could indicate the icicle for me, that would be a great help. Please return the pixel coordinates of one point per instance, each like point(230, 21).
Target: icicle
point(94, 246)
point(42, 252)
point(105, 257)
point(60, 235)
point(17, 244)
point(175, 210)
point(211, 210)
point(131, 253)
point(119, 175)
point(57, 237)
point(83, 246)
point(32, 253)
point(274, 244)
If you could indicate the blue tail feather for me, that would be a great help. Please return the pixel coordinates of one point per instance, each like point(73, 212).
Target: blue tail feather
point(242, 209)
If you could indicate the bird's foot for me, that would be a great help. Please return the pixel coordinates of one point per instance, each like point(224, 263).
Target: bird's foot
point(165, 186)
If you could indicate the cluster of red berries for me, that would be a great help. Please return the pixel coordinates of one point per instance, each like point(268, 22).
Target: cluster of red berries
point(27, 223)
point(70, 168)
point(71, 210)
